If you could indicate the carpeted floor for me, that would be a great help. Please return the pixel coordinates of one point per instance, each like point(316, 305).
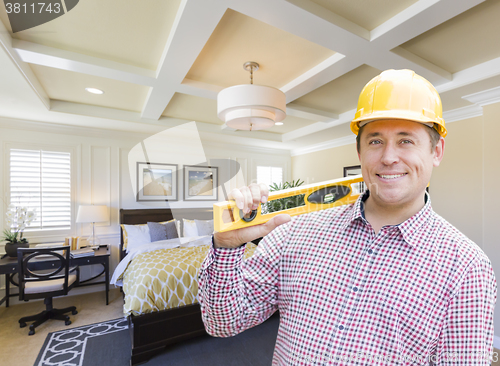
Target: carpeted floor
point(108, 343)
point(19, 349)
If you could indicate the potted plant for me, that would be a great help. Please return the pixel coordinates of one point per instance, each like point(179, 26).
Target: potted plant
point(18, 218)
point(284, 203)
point(281, 204)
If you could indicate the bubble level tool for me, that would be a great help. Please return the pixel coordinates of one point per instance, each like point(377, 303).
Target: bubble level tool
point(312, 197)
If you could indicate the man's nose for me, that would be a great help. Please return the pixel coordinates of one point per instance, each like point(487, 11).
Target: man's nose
point(390, 155)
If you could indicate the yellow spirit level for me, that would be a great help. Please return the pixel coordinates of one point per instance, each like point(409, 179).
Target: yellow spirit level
point(317, 196)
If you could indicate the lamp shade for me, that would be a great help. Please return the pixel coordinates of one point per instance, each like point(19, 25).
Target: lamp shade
point(92, 213)
point(251, 107)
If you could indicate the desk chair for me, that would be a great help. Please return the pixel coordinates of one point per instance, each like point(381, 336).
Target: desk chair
point(35, 283)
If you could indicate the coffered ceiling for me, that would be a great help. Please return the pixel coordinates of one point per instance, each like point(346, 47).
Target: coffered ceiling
point(161, 63)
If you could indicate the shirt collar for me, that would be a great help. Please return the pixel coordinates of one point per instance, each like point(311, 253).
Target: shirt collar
point(408, 228)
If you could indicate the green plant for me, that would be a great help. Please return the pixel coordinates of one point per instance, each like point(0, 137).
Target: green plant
point(284, 203)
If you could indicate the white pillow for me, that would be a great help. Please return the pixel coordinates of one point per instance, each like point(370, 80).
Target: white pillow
point(189, 228)
point(205, 227)
point(137, 235)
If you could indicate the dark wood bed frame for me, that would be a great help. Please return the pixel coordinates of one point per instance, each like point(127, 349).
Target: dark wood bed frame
point(150, 333)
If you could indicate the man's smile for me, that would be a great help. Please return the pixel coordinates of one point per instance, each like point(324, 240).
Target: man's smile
point(391, 176)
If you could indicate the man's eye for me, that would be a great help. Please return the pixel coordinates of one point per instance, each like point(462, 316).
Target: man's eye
point(374, 142)
point(406, 142)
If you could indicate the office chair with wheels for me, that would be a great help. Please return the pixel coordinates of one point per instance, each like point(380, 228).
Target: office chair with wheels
point(43, 274)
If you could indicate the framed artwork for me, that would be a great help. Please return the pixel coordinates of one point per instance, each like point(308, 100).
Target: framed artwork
point(156, 182)
point(350, 171)
point(200, 183)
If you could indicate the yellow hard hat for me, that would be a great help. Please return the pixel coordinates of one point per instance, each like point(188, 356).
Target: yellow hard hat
point(399, 94)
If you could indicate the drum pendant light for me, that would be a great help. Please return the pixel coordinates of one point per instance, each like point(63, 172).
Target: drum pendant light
point(251, 107)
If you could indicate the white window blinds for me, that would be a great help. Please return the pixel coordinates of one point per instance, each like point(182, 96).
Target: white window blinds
point(269, 175)
point(41, 180)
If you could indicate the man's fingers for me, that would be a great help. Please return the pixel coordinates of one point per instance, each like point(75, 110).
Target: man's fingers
point(255, 190)
point(238, 198)
point(264, 191)
point(247, 199)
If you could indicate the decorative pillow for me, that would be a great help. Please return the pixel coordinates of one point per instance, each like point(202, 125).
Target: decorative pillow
point(205, 227)
point(165, 231)
point(125, 233)
point(189, 228)
point(134, 235)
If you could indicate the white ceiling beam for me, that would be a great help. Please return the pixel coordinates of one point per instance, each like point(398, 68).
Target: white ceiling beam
point(331, 17)
point(128, 116)
point(321, 74)
point(315, 26)
point(38, 54)
point(427, 67)
point(377, 53)
point(199, 89)
point(194, 23)
point(472, 75)
point(417, 19)
point(484, 97)
point(297, 110)
point(402, 59)
point(347, 140)
point(318, 126)
point(24, 69)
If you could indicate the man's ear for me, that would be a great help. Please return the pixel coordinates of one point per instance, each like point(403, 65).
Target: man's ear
point(438, 152)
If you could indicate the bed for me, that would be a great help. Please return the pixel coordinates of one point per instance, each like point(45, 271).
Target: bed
point(151, 332)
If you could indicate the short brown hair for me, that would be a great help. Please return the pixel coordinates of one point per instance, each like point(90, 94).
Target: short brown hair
point(433, 134)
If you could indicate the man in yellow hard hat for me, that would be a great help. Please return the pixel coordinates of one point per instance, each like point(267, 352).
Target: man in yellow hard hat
point(383, 281)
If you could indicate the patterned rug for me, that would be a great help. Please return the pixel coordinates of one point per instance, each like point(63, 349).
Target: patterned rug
point(108, 343)
point(68, 347)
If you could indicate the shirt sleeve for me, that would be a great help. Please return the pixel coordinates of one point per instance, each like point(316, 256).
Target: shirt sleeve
point(236, 295)
point(467, 335)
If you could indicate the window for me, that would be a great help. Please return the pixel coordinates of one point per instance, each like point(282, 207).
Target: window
point(41, 180)
point(269, 175)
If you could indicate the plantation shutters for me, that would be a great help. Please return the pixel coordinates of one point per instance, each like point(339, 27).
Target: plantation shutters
point(41, 180)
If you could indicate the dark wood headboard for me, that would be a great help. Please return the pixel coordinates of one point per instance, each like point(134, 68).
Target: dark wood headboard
point(143, 216)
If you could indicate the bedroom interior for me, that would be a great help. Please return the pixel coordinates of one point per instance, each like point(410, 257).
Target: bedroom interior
point(153, 144)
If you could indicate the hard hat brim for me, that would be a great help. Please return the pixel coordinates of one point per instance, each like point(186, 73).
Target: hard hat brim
point(398, 115)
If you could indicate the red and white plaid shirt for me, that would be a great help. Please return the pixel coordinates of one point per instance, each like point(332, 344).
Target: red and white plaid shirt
point(417, 293)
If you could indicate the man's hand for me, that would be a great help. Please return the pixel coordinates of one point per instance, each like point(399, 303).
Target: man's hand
point(248, 199)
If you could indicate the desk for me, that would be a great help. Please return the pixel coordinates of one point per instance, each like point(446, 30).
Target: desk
point(8, 267)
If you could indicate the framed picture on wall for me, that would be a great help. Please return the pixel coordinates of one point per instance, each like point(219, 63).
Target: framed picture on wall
point(353, 170)
point(156, 182)
point(200, 183)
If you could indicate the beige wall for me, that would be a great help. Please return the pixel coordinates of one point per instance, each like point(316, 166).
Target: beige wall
point(325, 164)
point(456, 185)
point(491, 196)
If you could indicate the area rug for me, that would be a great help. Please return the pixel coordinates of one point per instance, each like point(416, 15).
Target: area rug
point(108, 343)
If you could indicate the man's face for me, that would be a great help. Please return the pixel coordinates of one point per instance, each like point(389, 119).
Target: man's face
point(396, 161)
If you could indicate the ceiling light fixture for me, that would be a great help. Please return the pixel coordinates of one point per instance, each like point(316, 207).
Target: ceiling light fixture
point(94, 91)
point(251, 107)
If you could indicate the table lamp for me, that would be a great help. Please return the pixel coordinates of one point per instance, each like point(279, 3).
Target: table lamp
point(92, 214)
